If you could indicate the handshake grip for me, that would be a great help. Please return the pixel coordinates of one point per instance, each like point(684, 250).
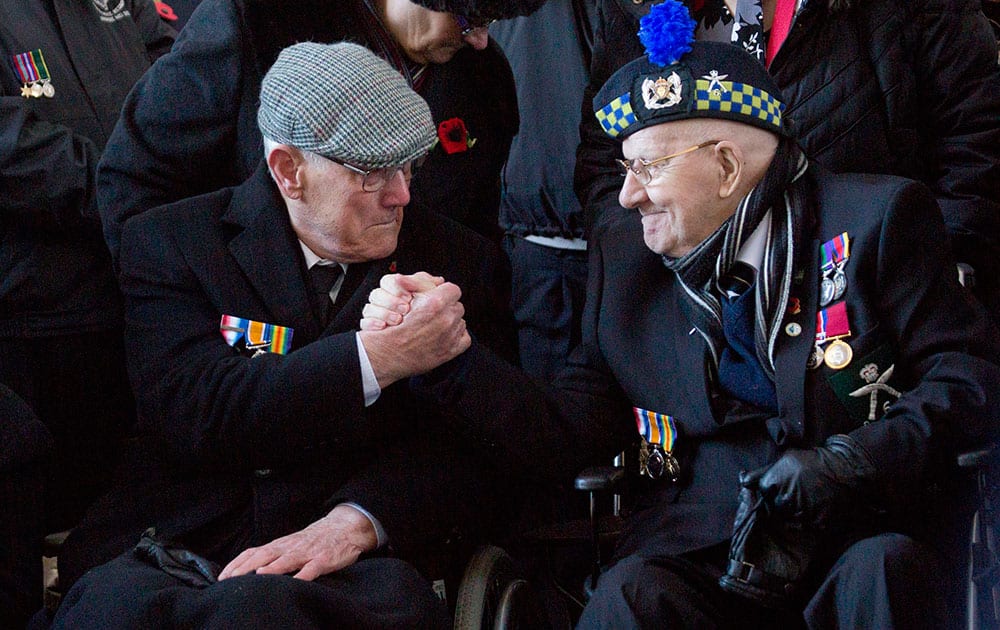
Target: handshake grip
point(785, 512)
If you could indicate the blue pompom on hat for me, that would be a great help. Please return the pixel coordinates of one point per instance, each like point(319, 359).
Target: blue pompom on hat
point(680, 78)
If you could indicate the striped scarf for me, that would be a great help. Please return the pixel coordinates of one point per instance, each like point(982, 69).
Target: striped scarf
point(782, 191)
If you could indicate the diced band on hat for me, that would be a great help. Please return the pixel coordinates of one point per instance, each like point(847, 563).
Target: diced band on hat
point(712, 80)
point(342, 101)
point(739, 98)
point(616, 116)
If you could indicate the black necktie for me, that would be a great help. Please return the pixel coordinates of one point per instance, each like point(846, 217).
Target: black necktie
point(323, 277)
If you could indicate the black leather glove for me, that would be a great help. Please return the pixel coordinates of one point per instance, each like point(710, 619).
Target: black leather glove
point(810, 485)
point(768, 556)
point(186, 566)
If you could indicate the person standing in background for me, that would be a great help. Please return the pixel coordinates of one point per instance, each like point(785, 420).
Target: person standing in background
point(66, 68)
point(549, 53)
point(189, 126)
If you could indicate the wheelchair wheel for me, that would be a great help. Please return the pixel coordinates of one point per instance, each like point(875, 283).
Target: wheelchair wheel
point(492, 596)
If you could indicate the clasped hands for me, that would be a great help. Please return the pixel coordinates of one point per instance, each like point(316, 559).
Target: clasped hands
point(411, 325)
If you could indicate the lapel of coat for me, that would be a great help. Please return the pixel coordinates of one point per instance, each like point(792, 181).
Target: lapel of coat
point(792, 352)
point(267, 251)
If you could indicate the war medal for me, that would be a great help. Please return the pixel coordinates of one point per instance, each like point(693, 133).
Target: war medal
point(832, 326)
point(659, 433)
point(835, 253)
point(815, 357)
point(258, 337)
point(838, 355)
point(34, 74)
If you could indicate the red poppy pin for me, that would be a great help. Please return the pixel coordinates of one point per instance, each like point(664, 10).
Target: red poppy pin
point(454, 136)
point(165, 10)
point(392, 267)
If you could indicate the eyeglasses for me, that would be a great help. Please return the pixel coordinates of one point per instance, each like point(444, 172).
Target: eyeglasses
point(468, 25)
point(640, 167)
point(376, 179)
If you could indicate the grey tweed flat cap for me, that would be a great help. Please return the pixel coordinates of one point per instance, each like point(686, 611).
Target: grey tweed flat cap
point(342, 101)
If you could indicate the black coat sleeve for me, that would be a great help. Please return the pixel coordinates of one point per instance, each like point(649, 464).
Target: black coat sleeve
point(176, 137)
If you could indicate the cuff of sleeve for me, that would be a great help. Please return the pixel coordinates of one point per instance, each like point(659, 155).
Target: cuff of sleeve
point(380, 534)
point(368, 379)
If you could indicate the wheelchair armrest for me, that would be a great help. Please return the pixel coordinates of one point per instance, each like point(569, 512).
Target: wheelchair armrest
point(600, 478)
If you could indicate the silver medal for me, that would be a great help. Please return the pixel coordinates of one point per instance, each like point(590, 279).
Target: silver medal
point(815, 358)
point(826, 291)
point(839, 284)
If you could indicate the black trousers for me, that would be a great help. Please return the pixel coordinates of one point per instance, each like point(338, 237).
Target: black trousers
point(548, 289)
point(373, 593)
point(886, 581)
point(25, 452)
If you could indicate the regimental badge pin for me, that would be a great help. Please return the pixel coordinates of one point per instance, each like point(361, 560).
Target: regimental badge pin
point(34, 73)
point(714, 81)
point(876, 383)
point(663, 92)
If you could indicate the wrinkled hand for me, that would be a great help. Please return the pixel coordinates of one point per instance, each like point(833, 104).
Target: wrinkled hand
point(330, 544)
point(390, 302)
point(431, 332)
point(810, 485)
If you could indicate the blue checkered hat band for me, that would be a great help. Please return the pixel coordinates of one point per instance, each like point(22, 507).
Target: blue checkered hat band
point(616, 116)
point(738, 98)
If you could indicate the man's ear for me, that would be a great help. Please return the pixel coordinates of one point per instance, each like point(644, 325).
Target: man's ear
point(732, 167)
point(286, 164)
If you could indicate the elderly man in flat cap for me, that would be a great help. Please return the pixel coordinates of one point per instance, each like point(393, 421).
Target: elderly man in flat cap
point(790, 350)
point(270, 443)
point(188, 127)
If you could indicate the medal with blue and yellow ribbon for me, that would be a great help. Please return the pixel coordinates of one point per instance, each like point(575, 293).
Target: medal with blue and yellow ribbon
point(34, 73)
point(659, 433)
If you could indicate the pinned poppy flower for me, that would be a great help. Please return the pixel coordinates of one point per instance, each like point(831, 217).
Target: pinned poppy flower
point(165, 10)
point(392, 267)
point(454, 136)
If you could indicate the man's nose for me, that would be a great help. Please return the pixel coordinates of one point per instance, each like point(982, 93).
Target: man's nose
point(396, 191)
point(632, 193)
point(478, 38)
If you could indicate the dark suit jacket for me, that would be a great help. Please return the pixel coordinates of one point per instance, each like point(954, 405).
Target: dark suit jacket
point(905, 309)
point(233, 451)
point(190, 125)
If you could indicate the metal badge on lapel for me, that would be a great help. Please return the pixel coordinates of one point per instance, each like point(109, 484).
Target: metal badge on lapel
point(875, 383)
point(257, 337)
point(659, 434)
point(34, 73)
point(867, 391)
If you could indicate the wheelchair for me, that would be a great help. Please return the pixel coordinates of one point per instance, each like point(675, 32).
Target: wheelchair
point(493, 595)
